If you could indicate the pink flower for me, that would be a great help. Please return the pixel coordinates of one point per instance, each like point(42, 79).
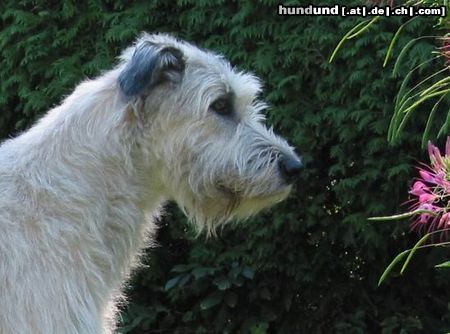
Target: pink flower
point(435, 156)
point(444, 221)
point(447, 143)
point(427, 198)
point(419, 188)
point(426, 176)
point(431, 192)
point(439, 178)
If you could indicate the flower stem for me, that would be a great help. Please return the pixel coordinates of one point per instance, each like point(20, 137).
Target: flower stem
point(402, 215)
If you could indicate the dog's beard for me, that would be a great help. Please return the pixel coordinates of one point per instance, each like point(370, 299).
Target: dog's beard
point(216, 205)
point(250, 206)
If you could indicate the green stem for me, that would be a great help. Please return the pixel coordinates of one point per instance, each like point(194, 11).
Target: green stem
point(402, 215)
point(342, 41)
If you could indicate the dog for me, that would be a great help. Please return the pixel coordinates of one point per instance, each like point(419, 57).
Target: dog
point(81, 189)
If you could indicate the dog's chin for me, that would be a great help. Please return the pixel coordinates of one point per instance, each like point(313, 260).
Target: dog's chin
point(212, 212)
point(250, 206)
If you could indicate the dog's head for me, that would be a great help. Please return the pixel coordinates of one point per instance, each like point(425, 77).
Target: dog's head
point(202, 129)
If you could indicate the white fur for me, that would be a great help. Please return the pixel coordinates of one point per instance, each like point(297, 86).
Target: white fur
point(79, 191)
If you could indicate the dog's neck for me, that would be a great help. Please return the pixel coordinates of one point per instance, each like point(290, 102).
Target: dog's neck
point(96, 180)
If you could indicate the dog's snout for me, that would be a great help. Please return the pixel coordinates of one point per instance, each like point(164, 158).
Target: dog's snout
point(289, 167)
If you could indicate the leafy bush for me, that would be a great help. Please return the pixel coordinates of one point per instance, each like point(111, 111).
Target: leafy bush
point(311, 264)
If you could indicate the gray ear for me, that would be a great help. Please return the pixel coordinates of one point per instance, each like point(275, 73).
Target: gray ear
point(150, 65)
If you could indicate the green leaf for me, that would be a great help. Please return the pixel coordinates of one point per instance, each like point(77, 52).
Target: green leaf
point(414, 250)
point(184, 280)
point(201, 272)
point(212, 300)
point(405, 50)
point(391, 266)
point(248, 272)
point(343, 39)
point(394, 40)
point(172, 282)
point(445, 127)
point(223, 283)
point(445, 264)
point(181, 268)
point(363, 29)
point(426, 132)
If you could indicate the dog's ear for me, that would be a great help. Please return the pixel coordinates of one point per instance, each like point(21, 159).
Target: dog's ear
point(150, 65)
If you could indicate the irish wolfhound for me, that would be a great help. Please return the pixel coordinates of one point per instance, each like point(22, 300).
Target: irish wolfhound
point(79, 191)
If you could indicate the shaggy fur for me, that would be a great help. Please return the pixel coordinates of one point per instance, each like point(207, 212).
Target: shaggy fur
point(80, 190)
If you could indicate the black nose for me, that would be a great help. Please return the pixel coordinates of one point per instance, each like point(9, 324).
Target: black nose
point(289, 168)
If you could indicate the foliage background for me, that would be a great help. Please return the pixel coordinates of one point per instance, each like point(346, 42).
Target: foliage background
point(310, 264)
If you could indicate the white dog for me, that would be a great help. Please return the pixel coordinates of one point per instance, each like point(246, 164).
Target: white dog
point(79, 191)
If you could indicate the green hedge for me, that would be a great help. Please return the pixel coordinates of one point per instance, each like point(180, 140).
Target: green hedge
point(309, 265)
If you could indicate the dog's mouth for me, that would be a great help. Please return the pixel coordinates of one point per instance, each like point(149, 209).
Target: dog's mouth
point(282, 191)
point(252, 205)
point(279, 194)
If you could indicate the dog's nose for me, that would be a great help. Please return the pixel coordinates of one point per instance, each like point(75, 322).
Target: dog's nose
point(289, 167)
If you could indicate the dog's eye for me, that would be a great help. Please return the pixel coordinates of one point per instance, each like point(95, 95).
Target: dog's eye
point(221, 106)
